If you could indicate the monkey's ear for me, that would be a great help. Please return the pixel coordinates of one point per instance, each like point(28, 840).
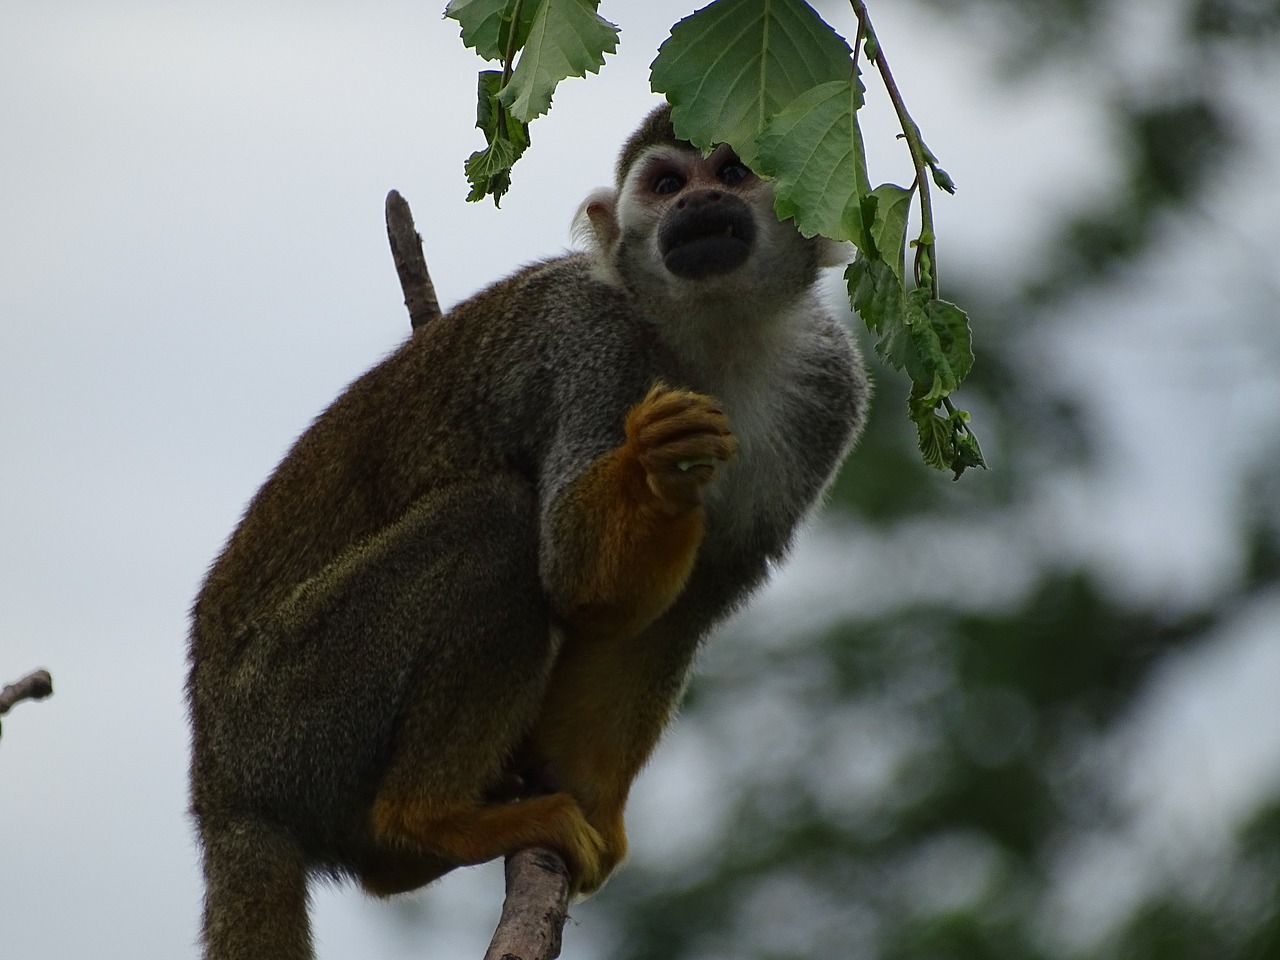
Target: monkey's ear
point(834, 253)
point(595, 225)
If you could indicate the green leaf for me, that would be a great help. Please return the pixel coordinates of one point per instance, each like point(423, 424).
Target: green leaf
point(492, 120)
point(813, 149)
point(876, 294)
point(489, 170)
point(946, 442)
point(729, 67)
point(567, 38)
point(936, 439)
point(932, 345)
point(967, 453)
point(889, 228)
point(930, 341)
point(486, 24)
point(950, 326)
point(905, 346)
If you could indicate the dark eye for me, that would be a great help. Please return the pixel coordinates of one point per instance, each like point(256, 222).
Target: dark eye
point(734, 172)
point(668, 183)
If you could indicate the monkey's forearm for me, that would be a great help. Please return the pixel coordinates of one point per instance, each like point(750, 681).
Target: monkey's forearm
point(625, 534)
point(626, 558)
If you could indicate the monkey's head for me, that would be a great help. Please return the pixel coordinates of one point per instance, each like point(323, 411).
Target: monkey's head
point(681, 226)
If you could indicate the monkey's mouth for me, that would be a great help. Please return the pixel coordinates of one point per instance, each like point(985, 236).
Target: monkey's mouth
point(707, 241)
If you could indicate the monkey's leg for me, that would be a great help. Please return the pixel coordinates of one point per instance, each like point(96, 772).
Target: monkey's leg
point(606, 707)
point(255, 893)
point(464, 834)
point(481, 618)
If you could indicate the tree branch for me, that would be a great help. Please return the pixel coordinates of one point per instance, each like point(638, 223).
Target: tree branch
point(34, 686)
point(535, 909)
point(537, 900)
point(411, 265)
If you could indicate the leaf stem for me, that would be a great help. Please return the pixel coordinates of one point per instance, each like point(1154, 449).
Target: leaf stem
point(508, 59)
point(857, 45)
point(509, 56)
point(875, 53)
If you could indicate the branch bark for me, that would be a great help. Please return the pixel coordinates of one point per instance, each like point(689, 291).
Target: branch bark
point(34, 686)
point(411, 265)
point(537, 899)
point(535, 909)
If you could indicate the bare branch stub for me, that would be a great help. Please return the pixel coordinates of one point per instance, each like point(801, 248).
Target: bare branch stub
point(411, 265)
point(34, 686)
point(535, 909)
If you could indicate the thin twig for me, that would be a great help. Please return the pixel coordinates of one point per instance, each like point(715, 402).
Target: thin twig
point(34, 686)
point(535, 909)
point(922, 159)
point(411, 265)
point(915, 144)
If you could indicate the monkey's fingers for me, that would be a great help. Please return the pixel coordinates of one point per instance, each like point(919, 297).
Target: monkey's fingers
point(662, 403)
point(678, 437)
point(675, 427)
point(668, 417)
point(692, 450)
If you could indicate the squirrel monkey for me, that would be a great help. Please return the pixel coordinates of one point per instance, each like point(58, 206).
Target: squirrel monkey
point(456, 619)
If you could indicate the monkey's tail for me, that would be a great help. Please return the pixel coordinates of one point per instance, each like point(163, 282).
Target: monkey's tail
point(255, 905)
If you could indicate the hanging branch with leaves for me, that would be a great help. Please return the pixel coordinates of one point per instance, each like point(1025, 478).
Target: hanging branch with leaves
point(773, 80)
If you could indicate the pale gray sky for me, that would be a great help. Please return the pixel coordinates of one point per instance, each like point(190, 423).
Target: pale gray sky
point(193, 263)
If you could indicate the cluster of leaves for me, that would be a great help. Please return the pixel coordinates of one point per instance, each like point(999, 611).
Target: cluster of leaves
point(539, 43)
point(776, 82)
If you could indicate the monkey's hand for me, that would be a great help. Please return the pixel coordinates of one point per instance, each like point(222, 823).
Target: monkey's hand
point(678, 438)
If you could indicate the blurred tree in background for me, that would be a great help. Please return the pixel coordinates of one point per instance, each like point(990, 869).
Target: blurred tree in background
point(944, 775)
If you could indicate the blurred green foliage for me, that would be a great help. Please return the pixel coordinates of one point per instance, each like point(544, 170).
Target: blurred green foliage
point(945, 757)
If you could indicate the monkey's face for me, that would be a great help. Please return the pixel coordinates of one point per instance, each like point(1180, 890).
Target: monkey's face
point(705, 227)
point(684, 226)
point(699, 218)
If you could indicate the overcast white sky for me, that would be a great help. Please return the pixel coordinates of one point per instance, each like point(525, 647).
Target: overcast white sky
point(192, 264)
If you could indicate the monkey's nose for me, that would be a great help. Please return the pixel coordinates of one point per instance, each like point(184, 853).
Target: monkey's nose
point(699, 198)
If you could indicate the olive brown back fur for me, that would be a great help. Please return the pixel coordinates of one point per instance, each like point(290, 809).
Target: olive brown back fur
point(456, 619)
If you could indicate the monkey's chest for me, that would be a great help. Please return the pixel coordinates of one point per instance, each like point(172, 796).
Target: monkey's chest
point(757, 498)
